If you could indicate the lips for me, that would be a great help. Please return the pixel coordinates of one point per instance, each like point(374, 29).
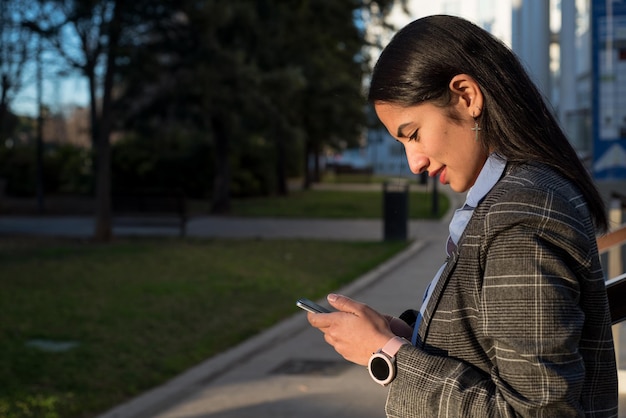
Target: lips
point(436, 172)
point(441, 172)
point(442, 175)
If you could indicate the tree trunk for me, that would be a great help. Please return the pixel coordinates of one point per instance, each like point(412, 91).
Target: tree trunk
point(221, 187)
point(281, 166)
point(4, 106)
point(3, 113)
point(93, 106)
point(104, 230)
point(316, 164)
point(308, 151)
point(39, 153)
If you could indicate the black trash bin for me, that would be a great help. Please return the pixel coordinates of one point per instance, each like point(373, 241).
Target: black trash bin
point(396, 210)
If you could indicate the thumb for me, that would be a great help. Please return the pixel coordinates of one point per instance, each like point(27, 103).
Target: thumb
point(343, 303)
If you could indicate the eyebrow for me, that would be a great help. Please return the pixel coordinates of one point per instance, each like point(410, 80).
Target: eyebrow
point(401, 128)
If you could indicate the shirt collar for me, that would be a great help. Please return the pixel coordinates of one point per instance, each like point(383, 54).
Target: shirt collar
point(487, 178)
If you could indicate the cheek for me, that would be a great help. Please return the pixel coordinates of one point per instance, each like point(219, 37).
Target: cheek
point(474, 166)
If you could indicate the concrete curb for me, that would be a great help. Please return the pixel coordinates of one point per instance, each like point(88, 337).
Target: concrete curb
point(157, 399)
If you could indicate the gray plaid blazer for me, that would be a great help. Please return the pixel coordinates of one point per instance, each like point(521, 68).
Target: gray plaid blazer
point(518, 324)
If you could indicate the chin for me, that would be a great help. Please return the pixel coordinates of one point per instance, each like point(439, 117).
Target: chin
point(459, 189)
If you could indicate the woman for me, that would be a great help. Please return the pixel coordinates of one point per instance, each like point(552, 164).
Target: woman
point(516, 322)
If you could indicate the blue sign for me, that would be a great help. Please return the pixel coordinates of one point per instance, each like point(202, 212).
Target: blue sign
point(608, 28)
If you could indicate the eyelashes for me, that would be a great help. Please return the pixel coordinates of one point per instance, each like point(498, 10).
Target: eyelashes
point(413, 136)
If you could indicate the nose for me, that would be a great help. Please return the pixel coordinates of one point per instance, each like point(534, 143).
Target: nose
point(418, 162)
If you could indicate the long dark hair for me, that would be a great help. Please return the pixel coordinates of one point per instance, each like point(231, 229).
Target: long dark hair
point(421, 59)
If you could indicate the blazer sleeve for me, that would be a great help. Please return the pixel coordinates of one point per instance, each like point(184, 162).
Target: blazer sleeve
point(534, 252)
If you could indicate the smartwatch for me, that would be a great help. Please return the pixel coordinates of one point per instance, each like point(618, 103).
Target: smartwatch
point(382, 364)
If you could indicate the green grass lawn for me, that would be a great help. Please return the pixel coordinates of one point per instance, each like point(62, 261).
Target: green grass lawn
point(117, 319)
point(139, 312)
point(336, 204)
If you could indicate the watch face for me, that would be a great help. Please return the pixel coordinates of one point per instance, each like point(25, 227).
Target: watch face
point(379, 368)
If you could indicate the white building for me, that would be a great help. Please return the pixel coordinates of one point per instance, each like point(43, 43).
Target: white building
point(533, 29)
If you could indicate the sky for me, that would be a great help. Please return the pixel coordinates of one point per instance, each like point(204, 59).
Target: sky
point(64, 92)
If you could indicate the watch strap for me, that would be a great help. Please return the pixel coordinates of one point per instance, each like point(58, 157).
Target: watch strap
point(392, 346)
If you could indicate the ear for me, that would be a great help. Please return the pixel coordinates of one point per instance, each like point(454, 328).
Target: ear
point(468, 91)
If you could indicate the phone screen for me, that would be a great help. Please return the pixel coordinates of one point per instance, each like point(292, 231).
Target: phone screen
point(310, 306)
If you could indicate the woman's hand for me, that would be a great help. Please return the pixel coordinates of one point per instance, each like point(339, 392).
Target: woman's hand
point(355, 332)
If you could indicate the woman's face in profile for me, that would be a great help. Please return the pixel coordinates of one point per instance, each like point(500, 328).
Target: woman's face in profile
point(435, 143)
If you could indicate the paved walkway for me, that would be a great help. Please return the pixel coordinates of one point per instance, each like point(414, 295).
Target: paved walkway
point(289, 371)
point(209, 226)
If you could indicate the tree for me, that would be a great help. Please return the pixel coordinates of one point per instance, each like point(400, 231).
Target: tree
point(83, 33)
point(335, 74)
point(16, 43)
point(201, 72)
point(272, 70)
point(90, 35)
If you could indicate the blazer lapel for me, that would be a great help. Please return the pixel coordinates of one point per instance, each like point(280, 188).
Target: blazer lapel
point(433, 302)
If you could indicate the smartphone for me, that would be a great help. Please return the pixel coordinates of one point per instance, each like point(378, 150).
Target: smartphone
point(309, 305)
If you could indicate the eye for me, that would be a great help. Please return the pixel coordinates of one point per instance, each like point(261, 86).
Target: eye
point(413, 136)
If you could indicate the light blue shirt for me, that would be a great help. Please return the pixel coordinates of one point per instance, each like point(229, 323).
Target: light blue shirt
point(488, 177)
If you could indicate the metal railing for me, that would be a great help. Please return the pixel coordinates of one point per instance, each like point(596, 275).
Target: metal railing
point(611, 249)
point(611, 243)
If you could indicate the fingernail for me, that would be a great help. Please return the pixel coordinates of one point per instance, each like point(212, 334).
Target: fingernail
point(332, 297)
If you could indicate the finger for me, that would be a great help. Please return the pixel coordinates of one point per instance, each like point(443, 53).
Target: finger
point(344, 303)
point(319, 320)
